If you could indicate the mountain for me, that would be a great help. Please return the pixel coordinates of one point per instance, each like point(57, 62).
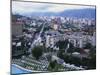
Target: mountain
point(79, 13)
point(42, 14)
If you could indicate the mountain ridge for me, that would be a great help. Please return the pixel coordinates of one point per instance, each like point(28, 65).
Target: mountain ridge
point(78, 13)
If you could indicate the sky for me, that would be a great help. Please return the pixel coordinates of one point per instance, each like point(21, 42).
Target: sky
point(28, 7)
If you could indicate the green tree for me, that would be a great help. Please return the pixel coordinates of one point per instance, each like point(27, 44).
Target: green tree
point(92, 60)
point(71, 48)
point(54, 66)
point(77, 49)
point(88, 46)
point(92, 51)
point(60, 54)
point(37, 51)
point(62, 44)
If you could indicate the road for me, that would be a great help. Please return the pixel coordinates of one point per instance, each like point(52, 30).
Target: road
point(38, 39)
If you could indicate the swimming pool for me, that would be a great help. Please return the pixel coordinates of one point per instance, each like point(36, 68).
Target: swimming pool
point(17, 70)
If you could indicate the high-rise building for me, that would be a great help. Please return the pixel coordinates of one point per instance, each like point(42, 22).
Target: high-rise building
point(17, 26)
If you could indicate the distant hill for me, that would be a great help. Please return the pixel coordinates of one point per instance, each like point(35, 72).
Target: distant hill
point(79, 13)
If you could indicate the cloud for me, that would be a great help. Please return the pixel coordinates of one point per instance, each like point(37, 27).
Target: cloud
point(60, 8)
point(28, 7)
point(25, 7)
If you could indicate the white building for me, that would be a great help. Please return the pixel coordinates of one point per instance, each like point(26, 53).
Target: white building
point(49, 41)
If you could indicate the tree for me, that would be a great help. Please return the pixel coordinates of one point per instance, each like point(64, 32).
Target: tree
point(66, 58)
point(92, 51)
point(71, 48)
point(92, 60)
point(60, 54)
point(54, 66)
point(62, 44)
point(88, 46)
point(37, 51)
point(77, 49)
